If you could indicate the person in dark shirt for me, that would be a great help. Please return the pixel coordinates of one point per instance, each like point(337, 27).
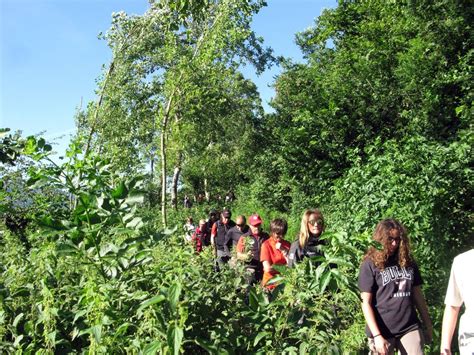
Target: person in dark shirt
point(218, 237)
point(308, 243)
point(390, 285)
point(233, 235)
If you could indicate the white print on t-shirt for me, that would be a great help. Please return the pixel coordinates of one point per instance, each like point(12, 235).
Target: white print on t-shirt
point(393, 273)
point(402, 289)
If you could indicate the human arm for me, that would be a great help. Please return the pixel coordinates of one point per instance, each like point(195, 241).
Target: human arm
point(422, 308)
point(213, 234)
point(381, 344)
point(228, 241)
point(450, 319)
point(267, 267)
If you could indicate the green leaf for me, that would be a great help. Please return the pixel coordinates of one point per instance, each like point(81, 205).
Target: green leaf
point(325, 278)
point(122, 329)
point(96, 330)
point(135, 199)
point(253, 299)
point(120, 191)
point(211, 348)
point(174, 292)
point(152, 348)
point(18, 339)
point(66, 248)
point(175, 338)
point(260, 336)
point(41, 143)
point(135, 223)
point(149, 302)
point(17, 319)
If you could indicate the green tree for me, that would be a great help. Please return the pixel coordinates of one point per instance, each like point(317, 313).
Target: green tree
point(158, 59)
point(374, 70)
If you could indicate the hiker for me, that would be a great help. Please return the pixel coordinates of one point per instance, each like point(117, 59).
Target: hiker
point(460, 290)
point(189, 228)
point(308, 243)
point(187, 202)
point(200, 236)
point(229, 197)
point(218, 233)
point(234, 234)
point(390, 285)
point(274, 251)
point(248, 249)
point(213, 218)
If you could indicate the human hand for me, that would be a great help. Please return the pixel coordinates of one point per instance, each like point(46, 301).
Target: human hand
point(381, 345)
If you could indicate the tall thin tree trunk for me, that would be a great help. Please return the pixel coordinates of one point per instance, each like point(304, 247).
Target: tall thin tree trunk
point(163, 178)
point(164, 129)
point(174, 187)
point(206, 191)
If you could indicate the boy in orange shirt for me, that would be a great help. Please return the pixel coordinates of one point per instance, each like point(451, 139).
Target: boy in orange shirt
point(274, 250)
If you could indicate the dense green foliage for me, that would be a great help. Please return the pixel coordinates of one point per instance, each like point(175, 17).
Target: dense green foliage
point(377, 122)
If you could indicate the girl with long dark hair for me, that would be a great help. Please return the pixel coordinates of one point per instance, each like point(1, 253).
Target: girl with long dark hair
point(390, 285)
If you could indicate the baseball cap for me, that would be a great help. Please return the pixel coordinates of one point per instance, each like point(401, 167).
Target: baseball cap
point(255, 220)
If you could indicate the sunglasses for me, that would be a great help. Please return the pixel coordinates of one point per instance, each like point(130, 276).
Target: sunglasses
point(315, 222)
point(391, 239)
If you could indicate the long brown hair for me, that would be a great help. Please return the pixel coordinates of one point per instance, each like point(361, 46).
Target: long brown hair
point(385, 229)
point(304, 232)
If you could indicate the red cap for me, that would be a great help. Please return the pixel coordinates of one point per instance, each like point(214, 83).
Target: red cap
point(255, 220)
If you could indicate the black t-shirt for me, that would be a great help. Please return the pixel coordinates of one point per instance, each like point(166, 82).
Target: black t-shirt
point(312, 248)
point(222, 230)
point(233, 235)
point(392, 296)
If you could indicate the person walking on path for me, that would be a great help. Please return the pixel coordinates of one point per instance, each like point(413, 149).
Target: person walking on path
point(390, 285)
point(234, 234)
point(460, 290)
point(274, 251)
point(201, 234)
point(218, 237)
point(308, 243)
point(248, 249)
point(187, 202)
point(189, 228)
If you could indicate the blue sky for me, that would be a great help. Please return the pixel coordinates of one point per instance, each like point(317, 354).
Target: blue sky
point(50, 56)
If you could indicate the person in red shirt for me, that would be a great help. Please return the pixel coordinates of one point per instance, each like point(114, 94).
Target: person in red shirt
point(274, 250)
point(248, 249)
point(200, 235)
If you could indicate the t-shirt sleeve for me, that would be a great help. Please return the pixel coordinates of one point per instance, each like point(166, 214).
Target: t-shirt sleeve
point(265, 253)
point(366, 277)
point(214, 229)
point(453, 295)
point(417, 280)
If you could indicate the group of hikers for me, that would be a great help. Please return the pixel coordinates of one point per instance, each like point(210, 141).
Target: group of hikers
point(259, 251)
point(389, 278)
